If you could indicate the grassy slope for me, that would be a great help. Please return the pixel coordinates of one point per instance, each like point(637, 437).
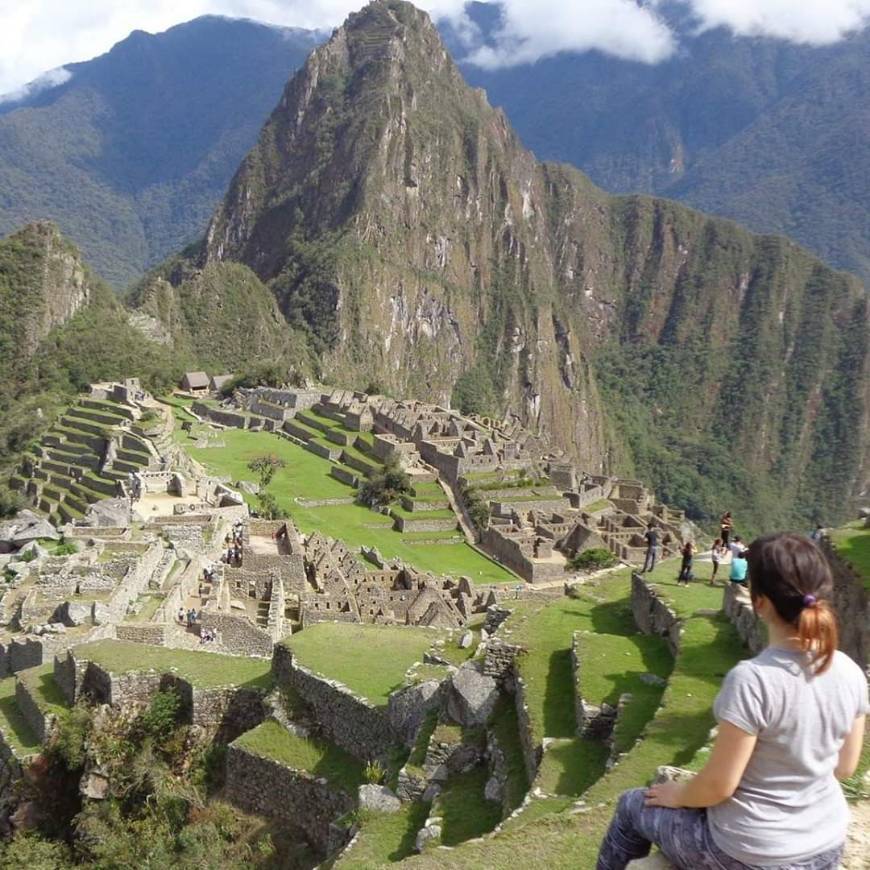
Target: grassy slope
point(369, 659)
point(274, 741)
point(206, 670)
point(852, 542)
point(544, 837)
point(13, 726)
point(307, 476)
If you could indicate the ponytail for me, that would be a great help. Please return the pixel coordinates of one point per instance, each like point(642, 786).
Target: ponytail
point(793, 574)
point(817, 633)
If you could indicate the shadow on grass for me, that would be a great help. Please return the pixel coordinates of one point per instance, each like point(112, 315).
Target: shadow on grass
point(613, 617)
point(559, 717)
point(577, 763)
point(416, 818)
point(21, 731)
point(465, 811)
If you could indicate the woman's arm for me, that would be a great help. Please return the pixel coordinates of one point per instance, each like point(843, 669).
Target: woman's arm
point(850, 751)
point(717, 780)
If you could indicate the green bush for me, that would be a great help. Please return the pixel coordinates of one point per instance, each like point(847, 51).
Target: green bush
point(268, 507)
point(265, 467)
point(385, 487)
point(74, 728)
point(160, 718)
point(10, 502)
point(592, 560)
point(65, 548)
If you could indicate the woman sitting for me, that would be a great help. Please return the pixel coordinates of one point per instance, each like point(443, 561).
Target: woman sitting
point(791, 723)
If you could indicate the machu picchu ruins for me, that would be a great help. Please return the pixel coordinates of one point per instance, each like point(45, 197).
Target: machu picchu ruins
point(287, 643)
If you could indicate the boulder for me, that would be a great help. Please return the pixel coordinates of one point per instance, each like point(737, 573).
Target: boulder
point(34, 549)
point(864, 513)
point(110, 512)
point(666, 773)
point(426, 835)
point(77, 614)
point(472, 696)
point(466, 640)
point(94, 785)
point(407, 707)
point(378, 799)
point(33, 530)
point(493, 790)
point(653, 680)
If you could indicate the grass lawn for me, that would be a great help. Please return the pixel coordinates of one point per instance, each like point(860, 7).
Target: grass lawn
point(13, 725)
point(464, 810)
point(698, 595)
point(43, 689)
point(320, 758)
point(385, 837)
point(203, 669)
point(371, 660)
point(852, 543)
point(307, 476)
point(613, 664)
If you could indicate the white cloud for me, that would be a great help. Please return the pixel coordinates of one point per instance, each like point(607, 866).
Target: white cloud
point(532, 30)
point(38, 35)
point(50, 79)
point(817, 22)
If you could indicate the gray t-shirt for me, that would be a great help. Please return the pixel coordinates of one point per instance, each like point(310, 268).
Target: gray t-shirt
point(789, 805)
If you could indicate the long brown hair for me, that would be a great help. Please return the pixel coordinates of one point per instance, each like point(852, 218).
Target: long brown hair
point(794, 575)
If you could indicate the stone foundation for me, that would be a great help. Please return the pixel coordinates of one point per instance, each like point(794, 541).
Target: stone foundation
point(652, 615)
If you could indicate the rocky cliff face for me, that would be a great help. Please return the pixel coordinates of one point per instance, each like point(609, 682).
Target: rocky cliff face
point(401, 224)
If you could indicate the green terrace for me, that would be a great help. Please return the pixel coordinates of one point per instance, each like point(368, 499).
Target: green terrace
point(203, 669)
point(371, 660)
point(14, 727)
point(306, 477)
point(67, 476)
point(675, 731)
point(318, 757)
point(852, 543)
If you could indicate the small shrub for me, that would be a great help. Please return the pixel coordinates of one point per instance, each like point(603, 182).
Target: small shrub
point(160, 718)
point(375, 773)
point(10, 502)
point(74, 727)
point(385, 487)
point(268, 507)
point(29, 556)
point(66, 548)
point(592, 560)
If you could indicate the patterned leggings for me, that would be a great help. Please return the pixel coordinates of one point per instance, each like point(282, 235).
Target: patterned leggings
point(682, 836)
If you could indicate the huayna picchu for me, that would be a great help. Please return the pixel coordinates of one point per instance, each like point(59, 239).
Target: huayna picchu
point(381, 525)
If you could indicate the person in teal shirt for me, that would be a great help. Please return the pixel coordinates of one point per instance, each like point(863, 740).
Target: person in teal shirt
point(739, 567)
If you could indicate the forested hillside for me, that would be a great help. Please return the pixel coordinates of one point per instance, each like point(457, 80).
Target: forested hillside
point(131, 154)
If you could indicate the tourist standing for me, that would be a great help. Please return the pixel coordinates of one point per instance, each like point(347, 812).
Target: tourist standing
point(726, 524)
point(688, 553)
point(717, 553)
point(652, 543)
point(736, 546)
point(790, 724)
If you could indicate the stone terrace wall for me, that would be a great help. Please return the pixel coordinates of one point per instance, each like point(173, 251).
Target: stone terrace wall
point(652, 615)
point(265, 787)
point(236, 634)
point(852, 603)
point(350, 721)
point(142, 632)
point(738, 608)
point(532, 750)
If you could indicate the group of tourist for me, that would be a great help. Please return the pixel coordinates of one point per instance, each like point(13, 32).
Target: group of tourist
point(233, 543)
point(790, 725)
point(207, 635)
point(187, 617)
point(722, 547)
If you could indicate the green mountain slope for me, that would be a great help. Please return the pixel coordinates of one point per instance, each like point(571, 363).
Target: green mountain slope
point(130, 156)
point(401, 224)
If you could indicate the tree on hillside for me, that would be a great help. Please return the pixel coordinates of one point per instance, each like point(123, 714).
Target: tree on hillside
point(265, 467)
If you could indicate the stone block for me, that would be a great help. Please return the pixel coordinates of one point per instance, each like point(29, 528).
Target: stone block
point(378, 798)
point(472, 695)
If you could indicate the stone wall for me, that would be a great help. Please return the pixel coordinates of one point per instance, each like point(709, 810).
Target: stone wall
point(40, 723)
point(267, 788)
point(852, 603)
point(224, 418)
point(236, 634)
point(532, 750)
point(18, 654)
point(142, 632)
point(652, 615)
point(738, 608)
point(594, 721)
point(350, 721)
point(499, 659)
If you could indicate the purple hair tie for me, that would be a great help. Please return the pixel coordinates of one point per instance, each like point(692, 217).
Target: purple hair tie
point(809, 600)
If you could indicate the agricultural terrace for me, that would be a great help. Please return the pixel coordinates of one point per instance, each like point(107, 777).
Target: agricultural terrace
point(674, 728)
point(306, 477)
point(203, 669)
point(371, 660)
